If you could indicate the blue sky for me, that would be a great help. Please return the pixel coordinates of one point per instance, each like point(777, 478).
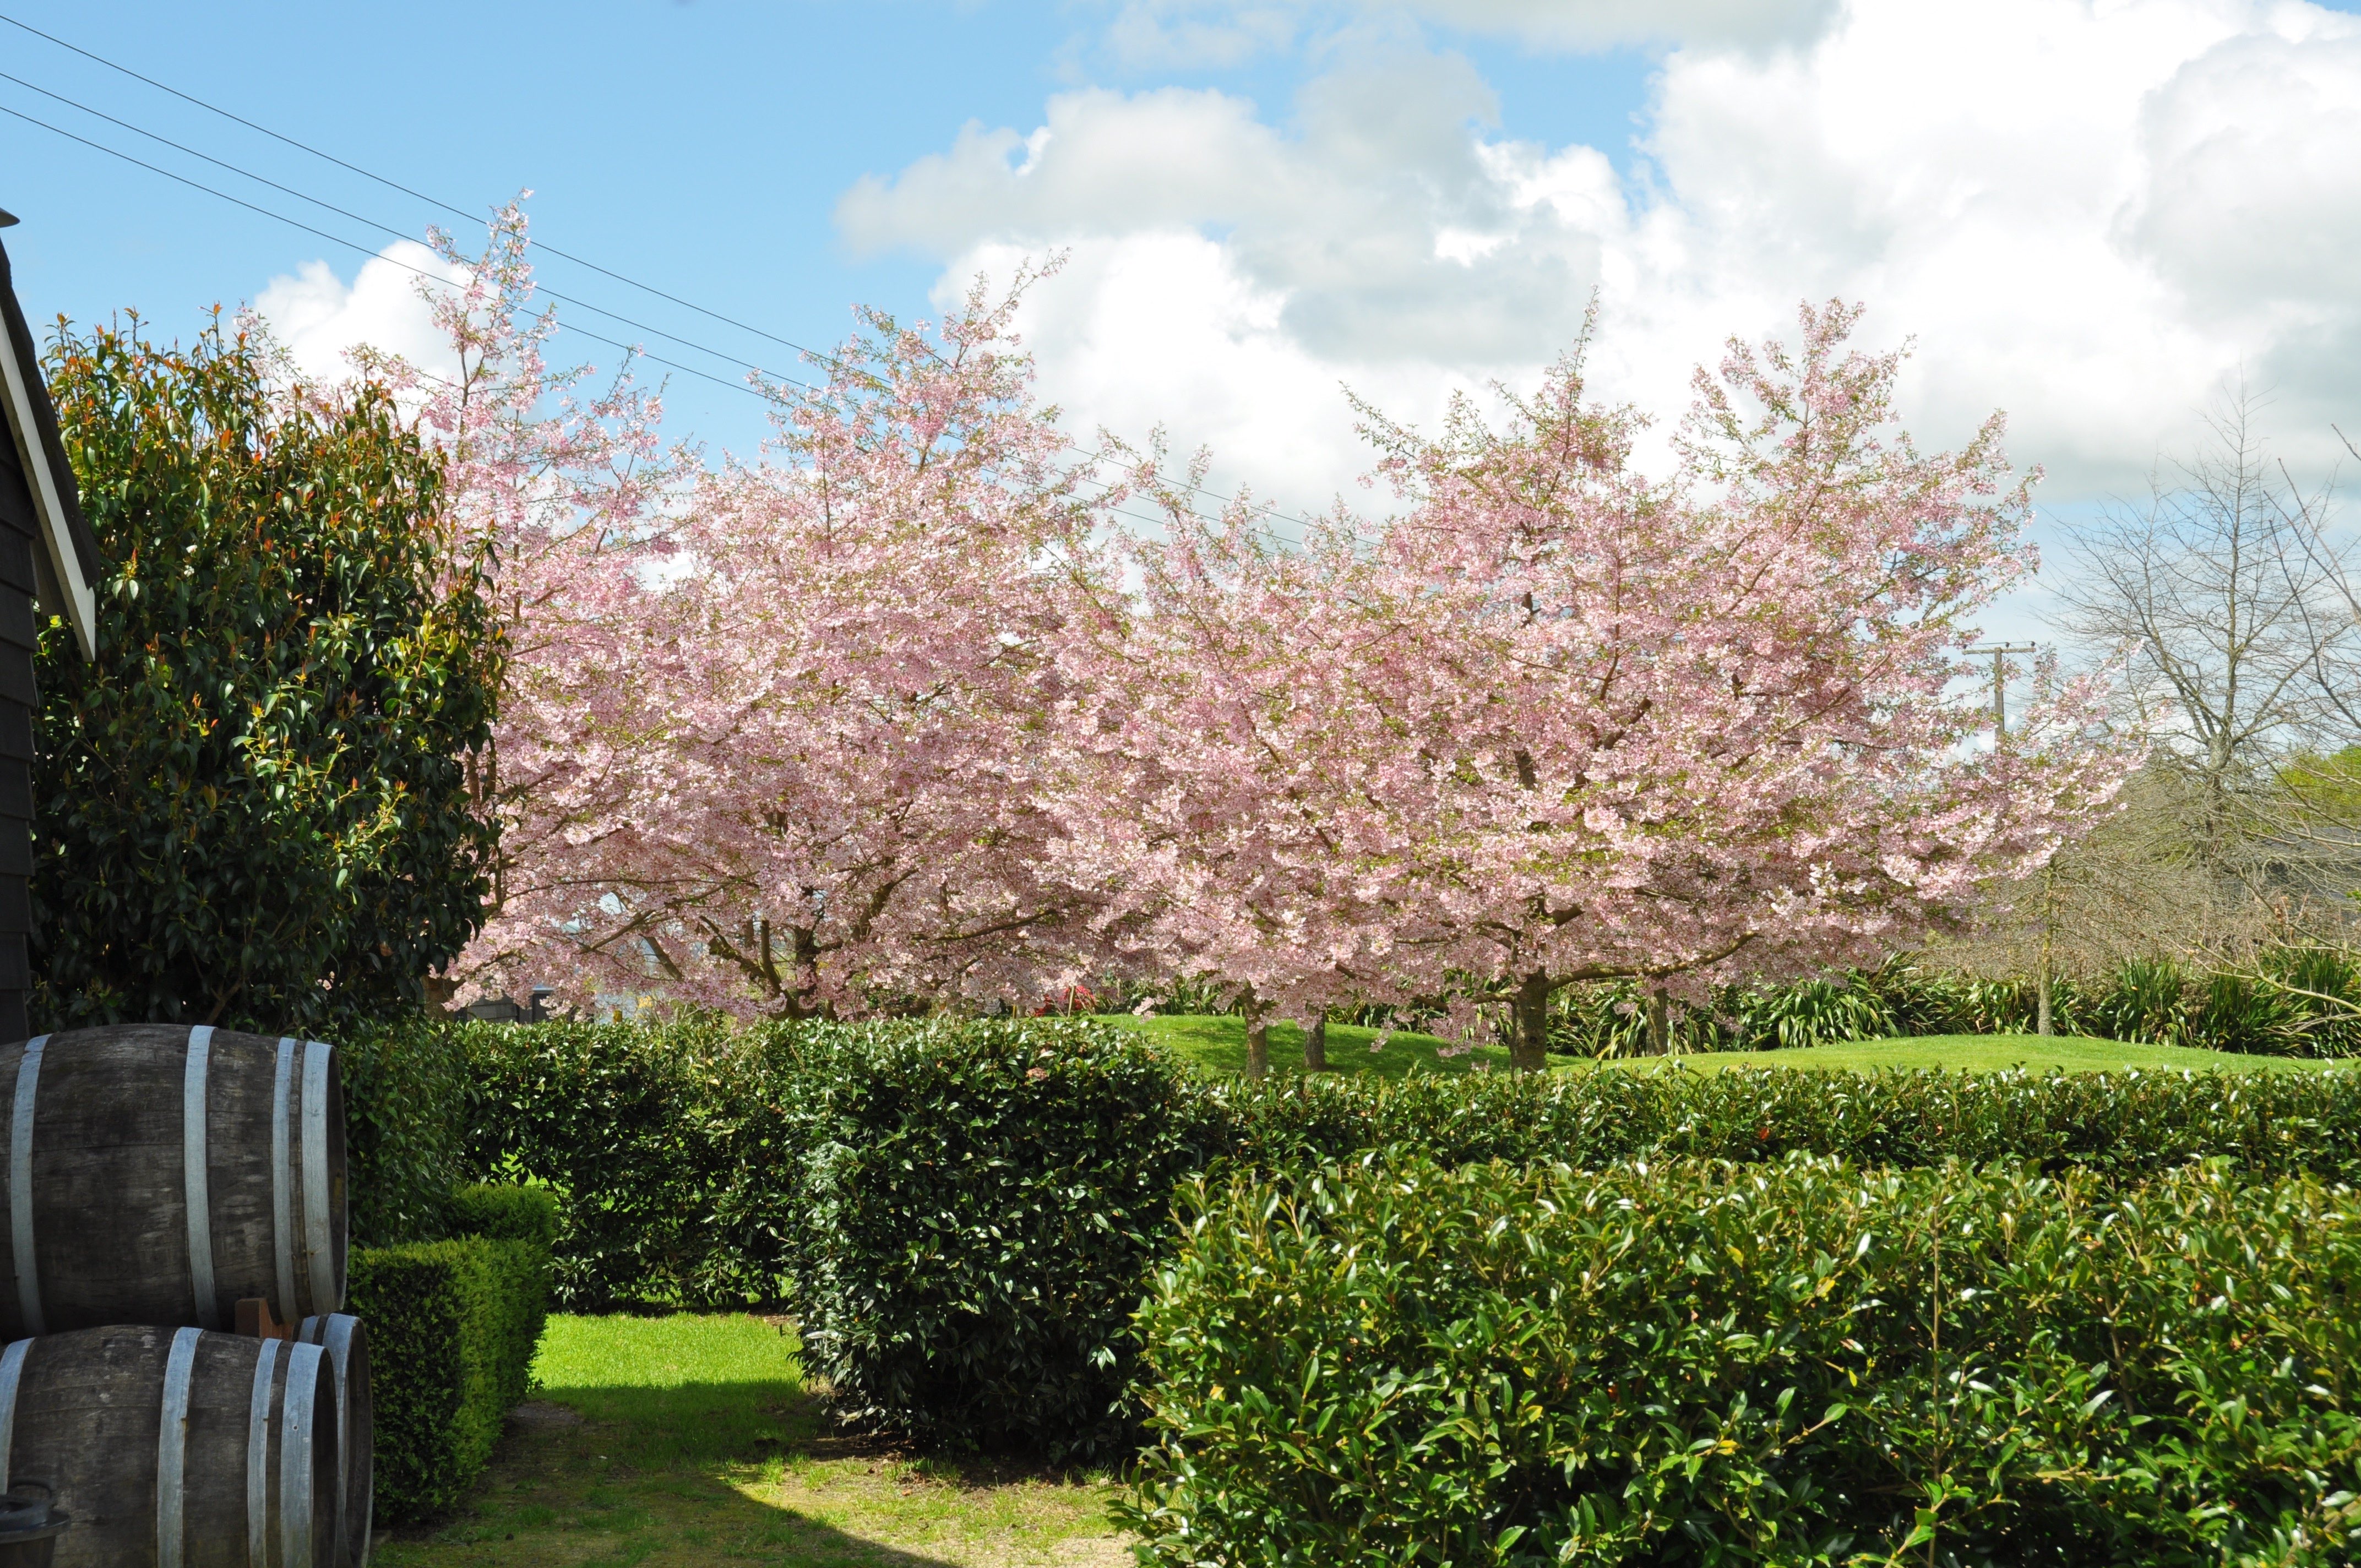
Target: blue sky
point(699, 147)
point(2096, 217)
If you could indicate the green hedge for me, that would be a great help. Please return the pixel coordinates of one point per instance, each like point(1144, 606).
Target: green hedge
point(961, 1215)
point(406, 1116)
point(1803, 1363)
point(505, 1213)
point(452, 1326)
point(674, 1150)
point(977, 1209)
point(964, 1214)
point(2125, 1125)
point(661, 1143)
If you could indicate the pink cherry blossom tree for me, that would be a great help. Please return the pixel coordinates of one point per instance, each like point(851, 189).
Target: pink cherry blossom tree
point(886, 714)
point(1683, 730)
point(564, 490)
point(840, 697)
point(769, 731)
point(1558, 722)
point(1214, 749)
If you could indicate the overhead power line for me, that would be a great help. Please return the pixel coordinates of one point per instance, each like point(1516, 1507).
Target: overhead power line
point(444, 282)
point(396, 185)
point(1266, 509)
point(378, 224)
point(355, 246)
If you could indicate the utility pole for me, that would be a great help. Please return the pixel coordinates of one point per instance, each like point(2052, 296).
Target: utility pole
point(2044, 1023)
point(2044, 985)
point(2000, 651)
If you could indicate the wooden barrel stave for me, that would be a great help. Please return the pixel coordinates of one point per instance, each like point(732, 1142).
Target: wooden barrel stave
point(90, 1418)
point(344, 1338)
point(99, 1226)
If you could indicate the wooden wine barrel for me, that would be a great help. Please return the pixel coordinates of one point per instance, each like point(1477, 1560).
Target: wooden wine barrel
point(175, 1448)
point(346, 1340)
point(161, 1175)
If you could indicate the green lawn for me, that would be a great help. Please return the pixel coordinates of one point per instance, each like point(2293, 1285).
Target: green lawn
point(1992, 1053)
point(1219, 1045)
point(684, 1440)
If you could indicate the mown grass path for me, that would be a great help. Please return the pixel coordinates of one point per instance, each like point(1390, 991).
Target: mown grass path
point(691, 1439)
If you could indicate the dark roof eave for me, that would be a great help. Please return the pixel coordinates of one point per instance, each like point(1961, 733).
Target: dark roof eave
point(72, 549)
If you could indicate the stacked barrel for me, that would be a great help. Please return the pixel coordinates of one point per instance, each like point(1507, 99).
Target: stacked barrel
point(165, 1188)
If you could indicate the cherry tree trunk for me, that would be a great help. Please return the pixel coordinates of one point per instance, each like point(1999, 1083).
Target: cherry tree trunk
point(1660, 1034)
point(1315, 1044)
point(1257, 1037)
point(1528, 1040)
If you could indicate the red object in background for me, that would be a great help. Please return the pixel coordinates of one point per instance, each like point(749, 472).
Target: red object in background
point(1074, 999)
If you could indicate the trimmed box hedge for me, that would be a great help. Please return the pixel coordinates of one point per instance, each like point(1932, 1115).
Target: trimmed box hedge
point(1791, 1364)
point(674, 1150)
point(661, 1143)
point(2125, 1125)
point(504, 1213)
point(406, 1115)
point(974, 1215)
point(452, 1326)
point(963, 1214)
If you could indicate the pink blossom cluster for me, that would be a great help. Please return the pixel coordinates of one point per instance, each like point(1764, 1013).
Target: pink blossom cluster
point(1555, 722)
point(907, 708)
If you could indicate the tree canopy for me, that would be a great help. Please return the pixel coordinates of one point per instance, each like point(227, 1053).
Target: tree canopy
point(252, 807)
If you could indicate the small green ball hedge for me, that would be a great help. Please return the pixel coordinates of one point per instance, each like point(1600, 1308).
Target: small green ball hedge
point(1791, 1364)
point(452, 1326)
point(505, 1213)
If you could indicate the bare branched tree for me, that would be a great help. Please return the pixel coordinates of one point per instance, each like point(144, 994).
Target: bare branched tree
point(2232, 596)
point(2338, 672)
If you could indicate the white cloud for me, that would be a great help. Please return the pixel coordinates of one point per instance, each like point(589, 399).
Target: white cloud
point(320, 318)
point(1162, 329)
point(2089, 213)
point(1194, 34)
point(1594, 24)
point(1188, 38)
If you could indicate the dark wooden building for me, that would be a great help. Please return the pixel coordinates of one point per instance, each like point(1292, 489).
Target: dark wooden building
point(46, 552)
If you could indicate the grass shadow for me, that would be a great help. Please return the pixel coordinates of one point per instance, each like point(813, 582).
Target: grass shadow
point(671, 1471)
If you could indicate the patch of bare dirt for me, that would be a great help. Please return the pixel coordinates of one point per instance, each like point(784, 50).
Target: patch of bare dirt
point(535, 1414)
